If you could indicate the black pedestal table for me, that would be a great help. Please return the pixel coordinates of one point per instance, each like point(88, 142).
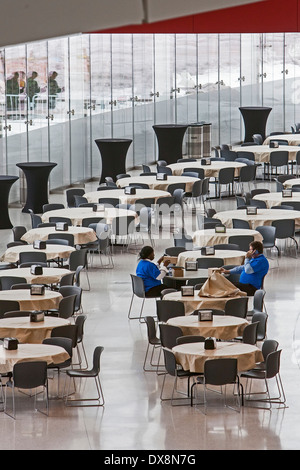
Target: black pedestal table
point(169, 139)
point(113, 154)
point(37, 175)
point(255, 120)
point(6, 181)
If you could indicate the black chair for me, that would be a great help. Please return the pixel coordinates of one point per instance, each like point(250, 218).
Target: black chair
point(27, 258)
point(65, 220)
point(262, 319)
point(174, 250)
point(79, 258)
point(240, 223)
point(7, 281)
point(17, 313)
point(69, 237)
point(243, 241)
point(285, 229)
point(219, 372)
point(258, 302)
point(257, 203)
point(204, 263)
point(169, 334)
point(190, 339)
point(226, 246)
point(278, 159)
point(8, 306)
point(138, 290)
point(66, 344)
point(87, 221)
point(52, 207)
point(35, 219)
point(85, 374)
point(164, 169)
point(226, 177)
point(153, 343)
point(70, 193)
point(249, 335)
point(18, 232)
point(199, 172)
point(172, 187)
point(67, 290)
point(166, 309)
point(66, 307)
point(246, 154)
point(28, 375)
point(237, 307)
point(139, 185)
point(109, 201)
point(78, 200)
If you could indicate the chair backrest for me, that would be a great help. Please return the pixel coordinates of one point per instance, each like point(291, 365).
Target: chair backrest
point(169, 335)
point(52, 207)
point(8, 306)
point(30, 374)
point(68, 290)
point(285, 228)
point(77, 258)
point(258, 299)
point(164, 169)
point(32, 256)
point(57, 241)
point(66, 306)
point(109, 201)
point(123, 225)
point(256, 191)
point(243, 241)
point(35, 220)
point(69, 237)
point(237, 307)
point(151, 330)
point(174, 250)
point(198, 171)
point(79, 200)
point(138, 287)
point(226, 246)
point(90, 220)
point(66, 331)
point(268, 346)
point(220, 371)
point(174, 186)
point(17, 313)
point(257, 203)
point(240, 223)
point(279, 158)
point(70, 193)
point(96, 360)
point(66, 220)
point(204, 263)
point(250, 333)
point(18, 232)
point(170, 362)
point(139, 185)
point(246, 154)
point(21, 285)
point(79, 322)
point(261, 318)
point(166, 309)
point(273, 364)
point(65, 343)
point(190, 339)
point(67, 279)
point(268, 233)
point(7, 281)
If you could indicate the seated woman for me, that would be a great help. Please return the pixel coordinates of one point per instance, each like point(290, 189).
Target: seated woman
point(151, 273)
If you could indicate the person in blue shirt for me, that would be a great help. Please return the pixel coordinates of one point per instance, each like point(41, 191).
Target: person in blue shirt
point(151, 273)
point(253, 271)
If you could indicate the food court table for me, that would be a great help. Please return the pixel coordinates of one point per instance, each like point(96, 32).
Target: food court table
point(263, 216)
point(262, 152)
point(49, 300)
point(76, 214)
point(6, 183)
point(94, 196)
point(276, 199)
point(209, 237)
point(169, 139)
point(82, 235)
point(31, 352)
point(229, 256)
point(192, 356)
point(158, 184)
point(49, 276)
point(210, 171)
point(27, 331)
point(293, 139)
point(113, 156)
point(37, 175)
point(221, 327)
point(255, 120)
point(195, 302)
point(11, 255)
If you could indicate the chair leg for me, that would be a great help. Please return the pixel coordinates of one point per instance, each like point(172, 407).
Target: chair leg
point(84, 402)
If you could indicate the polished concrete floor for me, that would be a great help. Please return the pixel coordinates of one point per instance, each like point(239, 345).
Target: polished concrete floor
point(133, 417)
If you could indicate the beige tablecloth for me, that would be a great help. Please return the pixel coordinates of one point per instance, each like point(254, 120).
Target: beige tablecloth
point(195, 302)
point(262, 152)
point(27, 301)
point(229, 256)
point(293, 139)
point(94, 196)
point(158, 184)
point(31, 352)
point(221, 327)
point(263, 217)
point(209, 237)
point(49, 276)
point(210, 171)
point(192, 356)
point(11, 255)
point(29, 332)
point(290, 183)
point(276, 199)
point(76, 214)
point(82, 235)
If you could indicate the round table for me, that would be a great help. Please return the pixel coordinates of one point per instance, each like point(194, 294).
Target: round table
point(236, 257)
point(49, 276)
point(209, 237)
point(6, 183)
point(82, 235)
point(31, 352)
point(76, 214)
point(221, 327)
point(293, 139)
point(169, 140)
point(263, 216)
point(113, 155)
point(262, 152)
point(191, 356)
point(276, 199)
point(158, 184)
point(195, 302)
point(255, 120)
point(12, 254)
point(290, 183)
point(37, 175)
point(49, 300)
point(176, 282)
point(27, 331)
point(210, 171)
point(94, 196)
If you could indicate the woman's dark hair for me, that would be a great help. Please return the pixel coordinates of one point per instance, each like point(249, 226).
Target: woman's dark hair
point(145, 252)
point(256, 245)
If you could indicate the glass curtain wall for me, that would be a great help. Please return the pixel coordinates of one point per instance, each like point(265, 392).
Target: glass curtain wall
point(58, 96)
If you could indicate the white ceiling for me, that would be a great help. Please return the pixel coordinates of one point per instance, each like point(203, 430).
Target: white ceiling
point(24, 21)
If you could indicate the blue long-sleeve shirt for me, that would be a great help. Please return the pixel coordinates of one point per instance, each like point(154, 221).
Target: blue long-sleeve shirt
point(253, 271)
point(150, 273)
